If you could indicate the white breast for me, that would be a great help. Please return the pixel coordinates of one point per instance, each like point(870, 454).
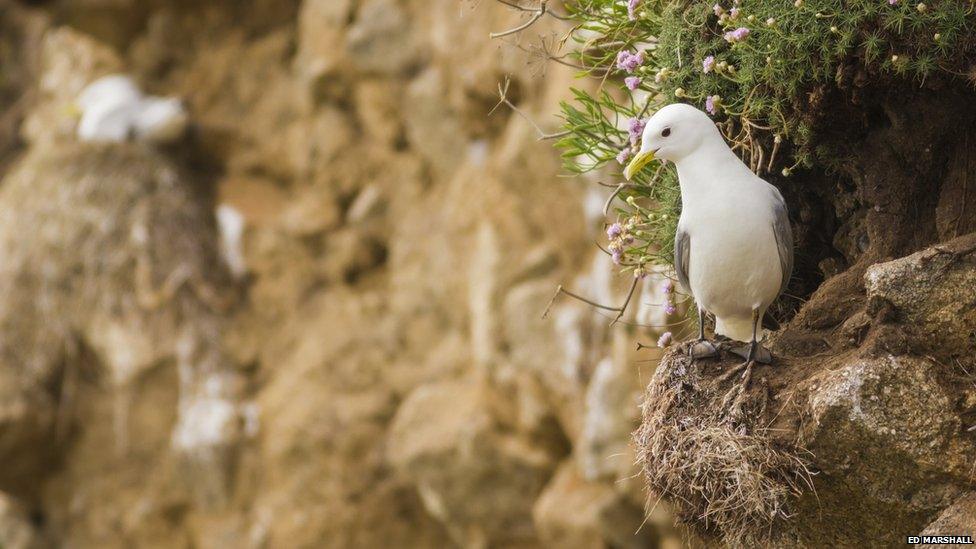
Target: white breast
point(734, 265)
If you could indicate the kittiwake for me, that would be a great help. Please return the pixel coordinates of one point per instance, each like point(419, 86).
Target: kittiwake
point(113, 108)
point(733, 251)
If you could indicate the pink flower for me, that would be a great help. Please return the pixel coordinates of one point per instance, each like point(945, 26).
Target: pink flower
point(734, 13)
point(892, 2)
point(708, 64)
point(669, 308)
point(737, 35)
point(615, 230)
point(623, 156)
point(664, 340)
point(712, 103)
point(629, 62)
point(632, 82)
point(718, 10)
point(618, 257)
point(635, 127)
point(632, 9)
point(667, 287)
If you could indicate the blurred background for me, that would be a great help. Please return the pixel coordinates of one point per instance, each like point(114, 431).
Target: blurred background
point(311, 315)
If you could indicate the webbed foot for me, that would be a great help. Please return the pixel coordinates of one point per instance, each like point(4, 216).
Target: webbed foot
point(702, 348)
point(760, 354)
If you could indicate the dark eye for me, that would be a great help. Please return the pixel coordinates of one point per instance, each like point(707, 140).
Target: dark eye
point(665, 132)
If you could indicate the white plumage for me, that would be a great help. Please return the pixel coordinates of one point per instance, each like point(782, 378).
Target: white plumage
point(734, 246)
point(113, 109)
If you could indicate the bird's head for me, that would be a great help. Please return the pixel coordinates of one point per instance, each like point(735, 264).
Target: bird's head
point(673, 133)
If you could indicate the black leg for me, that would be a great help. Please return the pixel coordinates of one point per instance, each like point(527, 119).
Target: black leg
point(701, 324)
point(702, 348)
point(753, 351)
point(753, 344)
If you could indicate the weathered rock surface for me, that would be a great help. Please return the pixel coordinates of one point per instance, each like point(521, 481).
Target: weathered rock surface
point(869, 438)
point(377, 371)
point(596, 515)
point(473, 475)
point(887, 429)
point(933, 293)
point(959, 519)
point(16, 529)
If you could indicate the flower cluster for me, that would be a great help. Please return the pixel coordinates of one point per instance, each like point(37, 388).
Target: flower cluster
point(623, 156)
point(629, 62)
point(737, 35)
point(632, 9)
point(669, 306)
point(664, 340)
point(620, 237)
point(708, 64)
point(713, 103)
point(635, 127)
point(752, 63)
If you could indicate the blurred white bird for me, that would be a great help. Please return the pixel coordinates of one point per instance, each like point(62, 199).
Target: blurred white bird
point(734, 247)
point(113, 109)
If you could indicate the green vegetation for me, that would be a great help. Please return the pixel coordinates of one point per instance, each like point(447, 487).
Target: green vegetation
point(762, 69)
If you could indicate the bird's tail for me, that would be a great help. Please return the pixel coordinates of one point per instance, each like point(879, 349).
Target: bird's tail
point(739, 329)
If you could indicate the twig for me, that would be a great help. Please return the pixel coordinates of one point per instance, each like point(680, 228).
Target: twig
point(772, 157)
point(561, 290)
point(620, 187)
point(503, 100)
point(535, 17)
point(630, 294)
point(620, 310)
point(549, 12)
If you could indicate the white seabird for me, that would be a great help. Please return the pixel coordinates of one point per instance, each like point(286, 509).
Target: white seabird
point(733, 251)
point(114, 109)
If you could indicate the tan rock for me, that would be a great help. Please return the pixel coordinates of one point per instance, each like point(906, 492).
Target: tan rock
point(320, 38)
point(959, 519)
point(575, 513)
point(16, 530)
point(377, 107)
point(877, 425)
point(478, 480)
point(610, 416)
point(315, 211)
point(933, 291)
point(381, 38)
point(432, 127)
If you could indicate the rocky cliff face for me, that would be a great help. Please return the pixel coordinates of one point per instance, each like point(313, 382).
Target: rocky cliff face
point(317, 321)
point(861, 433)
point(368, 364)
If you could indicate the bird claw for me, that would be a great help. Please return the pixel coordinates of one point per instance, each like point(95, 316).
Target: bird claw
point(702, 349)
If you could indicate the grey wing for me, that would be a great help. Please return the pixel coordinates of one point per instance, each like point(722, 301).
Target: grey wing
point(682, 251)
point(784, 240)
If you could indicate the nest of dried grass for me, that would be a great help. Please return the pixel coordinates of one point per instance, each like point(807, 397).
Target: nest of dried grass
point(722, 472)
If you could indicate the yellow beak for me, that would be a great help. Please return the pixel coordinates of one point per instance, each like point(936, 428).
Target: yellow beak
point(71, 110)
point(637, 164)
